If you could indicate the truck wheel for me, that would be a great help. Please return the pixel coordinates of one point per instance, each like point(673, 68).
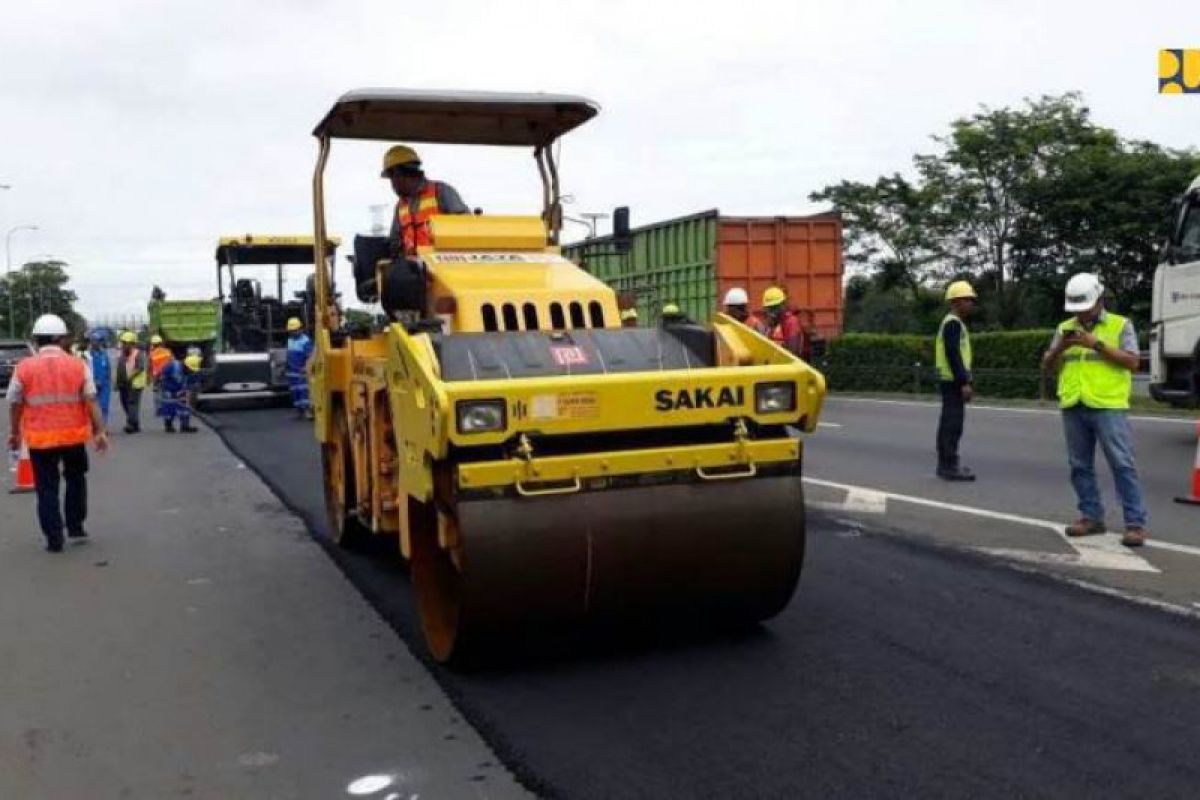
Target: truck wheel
point(337, 466)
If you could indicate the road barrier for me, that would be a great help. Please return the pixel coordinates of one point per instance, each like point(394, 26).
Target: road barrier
point(23, 474)
point(1193, 499)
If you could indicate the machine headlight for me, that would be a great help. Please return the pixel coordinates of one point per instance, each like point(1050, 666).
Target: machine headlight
point(774, 398)
point(481, 416)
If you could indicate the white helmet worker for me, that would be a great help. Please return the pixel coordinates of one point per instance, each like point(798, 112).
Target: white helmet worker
point(737, 297)
point(1083, 291)
point(49, 325)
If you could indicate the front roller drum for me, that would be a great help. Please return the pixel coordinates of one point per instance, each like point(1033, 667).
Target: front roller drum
point(727, 551)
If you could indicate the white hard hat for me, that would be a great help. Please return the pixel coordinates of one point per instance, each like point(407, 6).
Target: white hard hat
point(49, 325)
point(737, 297)
point(1083, 291)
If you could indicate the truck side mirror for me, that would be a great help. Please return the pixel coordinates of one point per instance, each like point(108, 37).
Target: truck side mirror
point(622, 237)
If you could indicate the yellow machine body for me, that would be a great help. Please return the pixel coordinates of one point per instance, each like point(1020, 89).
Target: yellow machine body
point(630, 473)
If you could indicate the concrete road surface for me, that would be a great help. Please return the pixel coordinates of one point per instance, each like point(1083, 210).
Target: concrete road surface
point(202, 645)
point(901, 669)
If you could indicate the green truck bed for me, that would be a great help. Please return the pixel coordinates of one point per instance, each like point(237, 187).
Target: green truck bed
point(185, 321)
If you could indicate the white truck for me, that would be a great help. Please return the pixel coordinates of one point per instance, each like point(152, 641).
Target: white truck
point(1175, 329)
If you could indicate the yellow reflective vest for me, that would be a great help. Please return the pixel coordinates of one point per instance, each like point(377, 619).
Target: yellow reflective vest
point(964, 347)
point(1089, 378)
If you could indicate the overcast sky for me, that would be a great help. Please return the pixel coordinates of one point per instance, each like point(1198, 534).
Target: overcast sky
point(135, 133)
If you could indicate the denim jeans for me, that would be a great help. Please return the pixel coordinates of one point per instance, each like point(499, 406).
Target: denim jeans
point(1084, 427)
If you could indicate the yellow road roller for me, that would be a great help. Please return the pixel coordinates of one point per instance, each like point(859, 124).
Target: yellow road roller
point(535, 462)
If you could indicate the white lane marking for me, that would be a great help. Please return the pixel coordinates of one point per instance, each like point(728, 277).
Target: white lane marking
point(829, 424)
point(1139, 417)
point(1095, 552)
point(1175, 548)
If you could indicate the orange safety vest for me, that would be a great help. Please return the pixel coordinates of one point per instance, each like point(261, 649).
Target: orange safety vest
point(159, 357)
point(414, 228)
point(56, 412)
point(787, 328)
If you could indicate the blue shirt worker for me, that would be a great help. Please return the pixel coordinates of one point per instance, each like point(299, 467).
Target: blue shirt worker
point(102, 371)
point(952, 353)
point(176, 381)
point(299, 351)
point(1096, 353)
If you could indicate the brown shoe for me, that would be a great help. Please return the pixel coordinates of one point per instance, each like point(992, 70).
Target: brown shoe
point(1134, 537)
point(1085, 527)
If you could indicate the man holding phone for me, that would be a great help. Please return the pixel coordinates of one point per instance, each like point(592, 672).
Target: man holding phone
point(1096, 353)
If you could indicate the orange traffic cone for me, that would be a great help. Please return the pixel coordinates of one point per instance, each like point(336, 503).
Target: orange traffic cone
point(23, 475)
point(1194, 498)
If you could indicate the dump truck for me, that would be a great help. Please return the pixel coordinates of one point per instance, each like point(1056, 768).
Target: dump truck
point(1175, 309)
point(186, 325)
point(692, 261)
point(251, 350)
point(534, 462)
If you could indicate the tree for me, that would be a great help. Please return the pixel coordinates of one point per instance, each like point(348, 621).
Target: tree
point(886, 225)
point(1016, 200)
point(39, 287)
point(984, 179)
point(1107, 209)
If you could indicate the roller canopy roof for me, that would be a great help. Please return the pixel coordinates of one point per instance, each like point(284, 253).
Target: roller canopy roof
point(267, 249)
point(492, 118)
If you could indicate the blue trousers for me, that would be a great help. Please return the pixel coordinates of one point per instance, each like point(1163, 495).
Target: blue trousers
point(175, 405)
point(298, 384)
point(1084, 428)
point(103, 398)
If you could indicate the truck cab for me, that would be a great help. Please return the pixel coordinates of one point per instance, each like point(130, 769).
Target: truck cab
point(1175, 330)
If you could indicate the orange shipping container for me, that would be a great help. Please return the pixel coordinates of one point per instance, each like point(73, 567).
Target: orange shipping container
point(692, 261)
point(801, 255)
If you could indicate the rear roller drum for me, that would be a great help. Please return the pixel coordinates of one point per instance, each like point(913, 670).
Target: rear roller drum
point(340, 496)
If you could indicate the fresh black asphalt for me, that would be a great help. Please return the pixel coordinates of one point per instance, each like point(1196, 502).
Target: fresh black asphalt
point(897, 671)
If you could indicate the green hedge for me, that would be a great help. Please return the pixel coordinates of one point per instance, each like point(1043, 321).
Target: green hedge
point(1006, 363)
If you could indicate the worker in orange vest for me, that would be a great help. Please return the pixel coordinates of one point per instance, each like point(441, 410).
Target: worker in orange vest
point(782, 324)
point(420, 199)
point(737, 305)
point(160, 356)
point(54, 410)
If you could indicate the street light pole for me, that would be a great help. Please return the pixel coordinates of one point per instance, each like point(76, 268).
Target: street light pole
point(12, 329)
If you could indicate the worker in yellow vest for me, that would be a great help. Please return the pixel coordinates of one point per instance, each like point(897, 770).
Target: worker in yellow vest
point(420, 199)
point(952, 355)
point(131, 380)
point(1096, 353)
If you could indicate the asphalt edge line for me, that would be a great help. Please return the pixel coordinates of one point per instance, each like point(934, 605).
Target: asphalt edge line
point(505, 753)
point(981, 557)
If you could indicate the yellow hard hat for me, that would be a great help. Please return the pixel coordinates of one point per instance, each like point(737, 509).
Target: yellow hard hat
point(959, 290)
point(773, 297)
point(399, 156)
point(156, 339)
point(670, 309)
point(128, 337)
point(294, 324)
point(193, 363)
point(628, 313)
